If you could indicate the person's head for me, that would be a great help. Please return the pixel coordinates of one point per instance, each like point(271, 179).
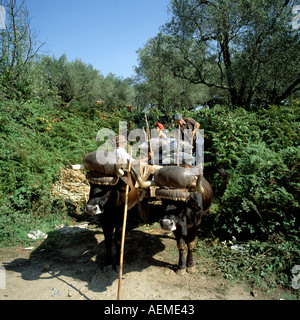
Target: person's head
point(177, 118)
point(160, 127)
point(121, 141)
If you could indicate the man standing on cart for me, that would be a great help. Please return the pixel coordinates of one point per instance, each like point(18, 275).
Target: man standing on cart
point(188, 129)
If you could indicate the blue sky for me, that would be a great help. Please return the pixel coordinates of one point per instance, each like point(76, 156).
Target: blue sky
point(104, 33)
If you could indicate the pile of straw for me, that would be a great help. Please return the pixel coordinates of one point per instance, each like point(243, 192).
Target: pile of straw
point(72, 186)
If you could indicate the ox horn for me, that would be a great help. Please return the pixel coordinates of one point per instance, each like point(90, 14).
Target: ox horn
point(143, 184)
point(119, 171)
point(199, 186)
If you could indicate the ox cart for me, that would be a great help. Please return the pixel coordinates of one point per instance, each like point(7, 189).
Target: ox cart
point(177, 183)
point(187, 196)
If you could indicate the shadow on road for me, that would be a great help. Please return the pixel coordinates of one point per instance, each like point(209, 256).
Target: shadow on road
point(76, 258)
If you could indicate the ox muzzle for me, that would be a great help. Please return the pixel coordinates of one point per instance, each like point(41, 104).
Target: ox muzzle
point(168, 223)
point(93, 209)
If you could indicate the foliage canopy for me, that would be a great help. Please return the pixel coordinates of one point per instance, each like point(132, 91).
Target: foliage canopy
point(244, 51)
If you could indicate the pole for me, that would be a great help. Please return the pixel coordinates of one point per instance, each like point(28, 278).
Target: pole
point(124, 228)
point(178, 144)
point(149, 138)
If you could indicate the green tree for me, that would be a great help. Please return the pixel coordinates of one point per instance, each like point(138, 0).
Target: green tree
point(74, 81)
point(18, 47)
point(84, 81)
point(157, 84)
point(115, 91)
point(247, 49)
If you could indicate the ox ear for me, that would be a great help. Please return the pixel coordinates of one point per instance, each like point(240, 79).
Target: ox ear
point(196, 200)
point(106, 198)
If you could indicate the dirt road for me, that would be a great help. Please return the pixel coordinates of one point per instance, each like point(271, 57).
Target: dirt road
point(66, 267)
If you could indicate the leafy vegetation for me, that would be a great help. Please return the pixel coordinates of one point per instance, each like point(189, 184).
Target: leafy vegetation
point(241, 51)
point(51, 110)
point(35, 141)
point(262, 264)
point(260, 153)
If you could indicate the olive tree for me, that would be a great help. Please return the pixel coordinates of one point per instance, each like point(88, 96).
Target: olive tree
point(247, 49)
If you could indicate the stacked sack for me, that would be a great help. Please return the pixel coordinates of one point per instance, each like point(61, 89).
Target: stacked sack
point(165, 151)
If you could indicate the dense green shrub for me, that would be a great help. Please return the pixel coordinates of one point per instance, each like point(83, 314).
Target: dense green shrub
point(35, 141)
point(260, 153)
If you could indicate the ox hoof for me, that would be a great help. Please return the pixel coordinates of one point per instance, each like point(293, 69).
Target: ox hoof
point(180, 272)
point(192, 269)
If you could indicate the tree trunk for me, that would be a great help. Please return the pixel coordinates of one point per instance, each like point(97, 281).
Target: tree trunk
point(290, 89)
point(227, 62)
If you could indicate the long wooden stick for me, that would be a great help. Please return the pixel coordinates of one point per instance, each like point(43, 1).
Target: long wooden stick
point(149, 138)
point(178, 144)
point(124, 228)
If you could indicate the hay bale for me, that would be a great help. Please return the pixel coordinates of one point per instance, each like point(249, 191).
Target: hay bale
point(73, 187)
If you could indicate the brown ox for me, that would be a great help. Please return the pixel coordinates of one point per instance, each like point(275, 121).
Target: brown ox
point(186, 200)
point(107, 199)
